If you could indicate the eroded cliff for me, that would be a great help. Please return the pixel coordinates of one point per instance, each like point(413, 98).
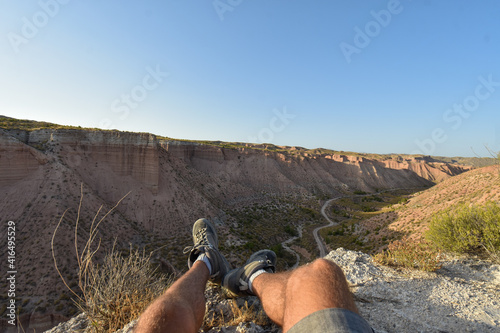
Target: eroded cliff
point(171, 184)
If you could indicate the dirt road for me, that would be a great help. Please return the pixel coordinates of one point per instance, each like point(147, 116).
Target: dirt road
point(287, 248)
point(321, 246)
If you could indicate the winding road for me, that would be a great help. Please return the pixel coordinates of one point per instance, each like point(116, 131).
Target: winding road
point(321, 246)
point(287, 248)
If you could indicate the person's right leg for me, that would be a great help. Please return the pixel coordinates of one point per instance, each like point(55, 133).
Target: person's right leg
point(291, 296)
point(271, 290)
point(317, 286)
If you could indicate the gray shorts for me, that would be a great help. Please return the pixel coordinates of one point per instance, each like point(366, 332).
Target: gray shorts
point(332, 321)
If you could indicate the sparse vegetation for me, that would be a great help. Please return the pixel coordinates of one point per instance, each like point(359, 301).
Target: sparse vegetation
point(267, 224)
point(359, 192)
point(291, 231)
point(410, 254)
point(468, 229)
point(235, 315)
point(352, 212)
point(120, 289)
point(30, 125)
point(116, 291)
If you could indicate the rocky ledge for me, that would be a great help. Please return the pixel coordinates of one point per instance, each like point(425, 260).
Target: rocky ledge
point(463, 296)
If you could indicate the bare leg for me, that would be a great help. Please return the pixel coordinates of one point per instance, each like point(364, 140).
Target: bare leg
point(289, 297)
point(181, 308)
point(270, 288)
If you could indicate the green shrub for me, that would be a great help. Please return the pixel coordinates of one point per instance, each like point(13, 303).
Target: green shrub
point(252, 246)
point(403, 201)
point(278, 249)
point(291, 231)
point(468, 229)
point(368, 209)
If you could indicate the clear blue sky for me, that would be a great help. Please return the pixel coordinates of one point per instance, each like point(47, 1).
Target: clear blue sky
point(366, 76)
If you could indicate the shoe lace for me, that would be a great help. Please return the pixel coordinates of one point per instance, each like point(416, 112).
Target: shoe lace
point(201, 240)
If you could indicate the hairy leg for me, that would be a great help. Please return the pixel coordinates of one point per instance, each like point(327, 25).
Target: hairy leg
point(181, 308)
point(270, 288)
point(289, 297)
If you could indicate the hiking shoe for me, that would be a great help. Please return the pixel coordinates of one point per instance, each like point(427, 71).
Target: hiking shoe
point(205, 241)
point(237, 280)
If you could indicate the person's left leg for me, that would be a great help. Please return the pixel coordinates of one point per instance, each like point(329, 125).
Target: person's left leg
point(181, 308)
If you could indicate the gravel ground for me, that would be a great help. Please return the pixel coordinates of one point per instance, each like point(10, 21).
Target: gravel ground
point(463, 296)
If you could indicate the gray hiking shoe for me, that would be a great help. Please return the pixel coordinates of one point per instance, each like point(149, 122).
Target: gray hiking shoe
point(205, 241)
point(237, 279)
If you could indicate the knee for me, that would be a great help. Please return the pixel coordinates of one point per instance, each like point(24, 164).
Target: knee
point(327, 268)
point(319, 270)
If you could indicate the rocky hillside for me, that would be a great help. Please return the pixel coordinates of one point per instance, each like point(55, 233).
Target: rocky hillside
point(171, 184)
point(475, 187)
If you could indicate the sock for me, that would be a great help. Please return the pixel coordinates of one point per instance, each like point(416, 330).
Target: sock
point(253, 276)
point(203, 257)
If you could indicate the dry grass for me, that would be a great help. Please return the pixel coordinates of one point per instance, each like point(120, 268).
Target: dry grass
point(116, 291)
point(410, 254)
point(236, 315)
point(120, 290)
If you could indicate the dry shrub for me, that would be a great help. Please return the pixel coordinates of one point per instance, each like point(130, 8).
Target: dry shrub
point(118, 290)
point(410, 254)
